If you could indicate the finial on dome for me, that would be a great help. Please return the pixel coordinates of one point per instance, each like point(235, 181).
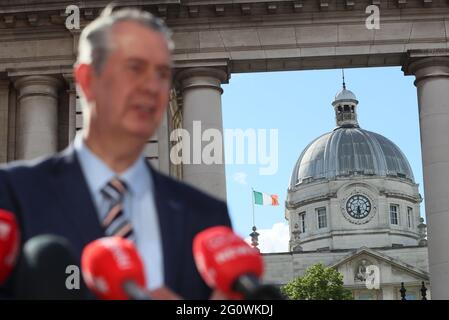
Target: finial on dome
point(345, 105)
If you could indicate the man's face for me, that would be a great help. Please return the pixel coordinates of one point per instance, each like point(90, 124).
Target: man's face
point(131, 93)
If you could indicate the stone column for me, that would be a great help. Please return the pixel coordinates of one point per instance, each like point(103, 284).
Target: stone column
point(201, 93)
point(71, 92)
point(432, 82)
point(37, 116)
point(4, 110)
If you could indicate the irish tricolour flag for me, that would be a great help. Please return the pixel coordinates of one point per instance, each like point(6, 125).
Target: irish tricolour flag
point(265, 199)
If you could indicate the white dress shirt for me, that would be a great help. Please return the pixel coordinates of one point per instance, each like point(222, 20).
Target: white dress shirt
point(139, 206)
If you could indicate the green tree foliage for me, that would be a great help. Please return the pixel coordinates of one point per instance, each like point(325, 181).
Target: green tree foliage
point(318, 283)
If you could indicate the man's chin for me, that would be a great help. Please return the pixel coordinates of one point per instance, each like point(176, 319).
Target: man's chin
point(141, 134)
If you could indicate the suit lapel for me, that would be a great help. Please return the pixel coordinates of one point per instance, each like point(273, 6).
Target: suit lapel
point(172, 229)
point(76, 199)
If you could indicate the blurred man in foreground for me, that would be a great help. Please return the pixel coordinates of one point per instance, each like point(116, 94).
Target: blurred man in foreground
point(102, 185)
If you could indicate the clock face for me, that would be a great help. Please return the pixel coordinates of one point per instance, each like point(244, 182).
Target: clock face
point(358, 206)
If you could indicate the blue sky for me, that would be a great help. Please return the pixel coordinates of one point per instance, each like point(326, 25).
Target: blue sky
point(298, 104)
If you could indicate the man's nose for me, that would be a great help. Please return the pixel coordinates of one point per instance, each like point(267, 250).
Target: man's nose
point(150, 83)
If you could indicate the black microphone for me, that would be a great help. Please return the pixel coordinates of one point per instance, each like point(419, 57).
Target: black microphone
point(42, 271)
point(251, 288)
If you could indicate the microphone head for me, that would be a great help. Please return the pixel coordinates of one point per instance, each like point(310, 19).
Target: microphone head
point(222, 257)
point(108, 263)
point(9, 243)
point(45, 270)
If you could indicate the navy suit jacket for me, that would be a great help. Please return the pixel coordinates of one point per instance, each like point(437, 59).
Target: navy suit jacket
point(51, 196)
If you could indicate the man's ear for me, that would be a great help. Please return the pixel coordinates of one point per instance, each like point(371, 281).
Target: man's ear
point(84, 75)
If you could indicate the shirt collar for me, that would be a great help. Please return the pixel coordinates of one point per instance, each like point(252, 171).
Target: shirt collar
point(137, 177)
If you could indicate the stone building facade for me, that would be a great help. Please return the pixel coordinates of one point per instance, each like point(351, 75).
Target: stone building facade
point(353, 204)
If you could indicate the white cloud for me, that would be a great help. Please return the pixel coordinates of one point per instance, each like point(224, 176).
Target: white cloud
point(240, 177)
point(274, 239)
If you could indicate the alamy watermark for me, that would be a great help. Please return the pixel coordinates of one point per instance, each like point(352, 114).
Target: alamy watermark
point(250, 146)
point(73, 17)
point(373, 20)
point(72, 281)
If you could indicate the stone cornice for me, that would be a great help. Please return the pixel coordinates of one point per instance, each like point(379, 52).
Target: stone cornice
point(395, 195)
point(402, 196)
point(32, 5)
point(295, 205)
point(49, 70)
point(334, 233)
point(425, 53)
point(351, 179)
point(32, 12)
point(257, 38)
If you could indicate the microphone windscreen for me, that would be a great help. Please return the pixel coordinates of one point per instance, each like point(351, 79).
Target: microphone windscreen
point(46, 269)
point(222, 257)
point(108, 263)
point(9, 243)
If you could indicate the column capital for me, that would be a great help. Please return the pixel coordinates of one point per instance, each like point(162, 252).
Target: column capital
point(38, 85)
point(215, 72)
point(426, 63)
point(208, 77)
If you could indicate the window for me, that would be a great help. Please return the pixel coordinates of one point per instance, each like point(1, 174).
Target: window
point(410, 217)
point(366, 295)
point(394, 209)
point(322, 218)
point(410, 296)
point(302, 222)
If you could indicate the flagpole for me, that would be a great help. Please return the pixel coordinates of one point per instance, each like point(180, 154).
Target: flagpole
point(252, 202)
point(254, 235)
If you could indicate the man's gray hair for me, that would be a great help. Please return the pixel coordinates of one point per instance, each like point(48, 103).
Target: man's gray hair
point(95, 41)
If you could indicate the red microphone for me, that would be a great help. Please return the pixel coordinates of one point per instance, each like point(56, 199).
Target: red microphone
point(9, 243)
point(227, 262)
point(113, 269)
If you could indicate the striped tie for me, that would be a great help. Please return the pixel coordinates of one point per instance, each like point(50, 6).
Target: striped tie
point(115, 222)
